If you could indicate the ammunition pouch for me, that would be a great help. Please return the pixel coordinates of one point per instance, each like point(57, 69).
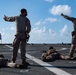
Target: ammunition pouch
point(22, 36)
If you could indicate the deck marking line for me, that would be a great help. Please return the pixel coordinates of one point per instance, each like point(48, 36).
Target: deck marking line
point(50, 67)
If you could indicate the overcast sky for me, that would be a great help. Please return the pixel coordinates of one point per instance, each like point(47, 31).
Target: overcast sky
point(47, 24)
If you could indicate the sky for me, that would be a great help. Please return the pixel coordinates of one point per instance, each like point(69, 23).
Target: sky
point(48, 26)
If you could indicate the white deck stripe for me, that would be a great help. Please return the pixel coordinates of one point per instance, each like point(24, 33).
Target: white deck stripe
point(5, 52)
point(50, 67)
point(63, 49)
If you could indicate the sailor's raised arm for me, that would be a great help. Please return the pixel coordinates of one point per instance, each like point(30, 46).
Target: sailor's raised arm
point(10, 19)
point(67, 17)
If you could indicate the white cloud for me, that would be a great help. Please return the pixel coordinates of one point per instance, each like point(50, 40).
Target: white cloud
point(50, 19)
point(52, 32)
point(6, 37)
point(38, 23)
point(43, 35)
point(64, 31)
point(42, 32)
point(7, 34)
point(46, 20)
point(12, 28)
point(57, 10)
point(49, 0)
point(38, 32)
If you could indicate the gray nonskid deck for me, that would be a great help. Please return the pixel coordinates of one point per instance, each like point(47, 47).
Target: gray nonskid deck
point(35, 50)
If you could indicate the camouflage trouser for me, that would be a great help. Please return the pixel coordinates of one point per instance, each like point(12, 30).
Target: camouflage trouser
point(20, 40)
point(73, 46)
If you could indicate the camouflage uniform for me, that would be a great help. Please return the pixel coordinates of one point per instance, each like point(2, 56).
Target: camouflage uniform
point(73, 42)
point(50, 55)
point(23, 27)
